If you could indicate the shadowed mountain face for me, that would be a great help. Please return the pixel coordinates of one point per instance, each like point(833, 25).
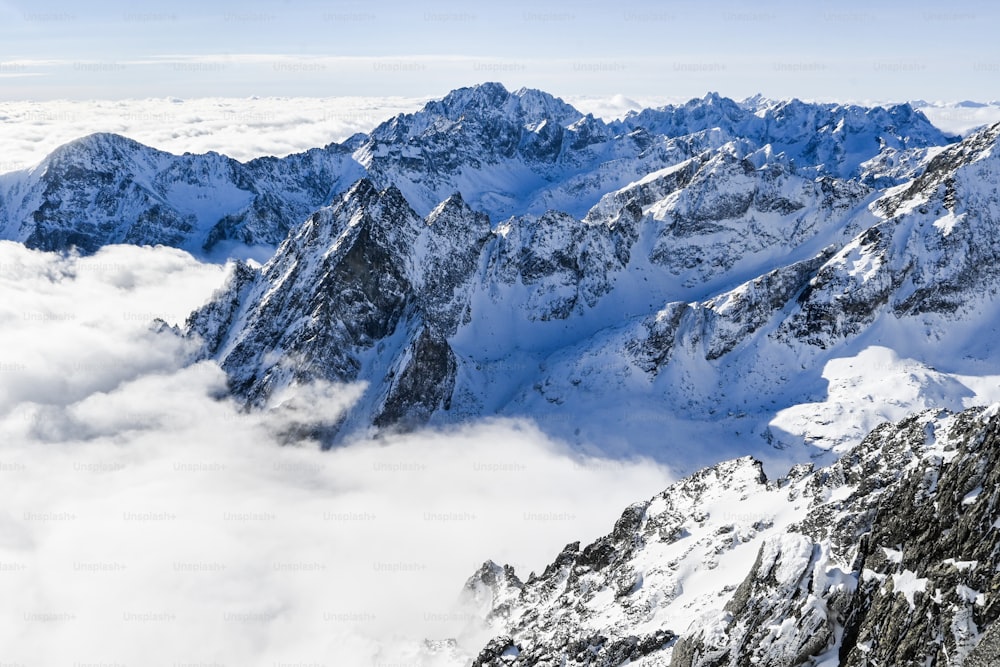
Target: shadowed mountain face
point(105, 189)
point(365, 290)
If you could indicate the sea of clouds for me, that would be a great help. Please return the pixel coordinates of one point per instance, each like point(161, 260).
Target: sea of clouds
point(243, 128)
point(145, 519)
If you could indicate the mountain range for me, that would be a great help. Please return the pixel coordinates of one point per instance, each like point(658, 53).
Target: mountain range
point(718, 297)
point(508, 153)
point(695, 284)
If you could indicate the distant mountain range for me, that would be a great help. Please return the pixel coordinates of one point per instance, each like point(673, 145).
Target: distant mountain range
point(507, 153)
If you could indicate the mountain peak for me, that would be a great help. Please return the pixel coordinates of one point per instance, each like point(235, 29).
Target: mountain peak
point(360, 191)
point(98, 144)
point(714, 100)
point(528, 105)
point(755, 101)
point(365, 195)
point(470, 98)
point(454, 202)
point(103, 139)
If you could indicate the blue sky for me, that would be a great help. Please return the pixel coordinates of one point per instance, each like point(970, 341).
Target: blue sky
point(875, 50)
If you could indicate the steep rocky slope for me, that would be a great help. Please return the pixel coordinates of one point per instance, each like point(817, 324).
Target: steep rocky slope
point(105, 189)
point(887, 557)
point(365, 290)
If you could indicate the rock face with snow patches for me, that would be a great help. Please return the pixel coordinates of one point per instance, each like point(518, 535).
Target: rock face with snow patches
point(366, 289)
point(888, 557)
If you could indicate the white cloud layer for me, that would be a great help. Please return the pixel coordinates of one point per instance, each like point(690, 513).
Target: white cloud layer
point(145, 520)
point(960, 117)
point(243, 128)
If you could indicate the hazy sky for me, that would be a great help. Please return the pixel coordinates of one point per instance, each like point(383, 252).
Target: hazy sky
point(846, 50)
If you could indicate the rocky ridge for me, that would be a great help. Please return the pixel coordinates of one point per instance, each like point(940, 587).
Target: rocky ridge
point(888, 556)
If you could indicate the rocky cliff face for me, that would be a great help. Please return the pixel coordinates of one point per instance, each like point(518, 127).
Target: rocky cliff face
point(888, 557)
point(361, 292)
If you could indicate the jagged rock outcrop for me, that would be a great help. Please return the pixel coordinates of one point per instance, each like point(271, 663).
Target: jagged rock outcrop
point(362, 292)
point(889, 556)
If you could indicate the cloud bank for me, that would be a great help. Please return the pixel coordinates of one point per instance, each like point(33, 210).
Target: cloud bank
point(242, 128)
point(146, 520)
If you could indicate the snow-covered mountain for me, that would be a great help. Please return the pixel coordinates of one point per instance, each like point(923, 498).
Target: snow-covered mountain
point(887, 557)
point(832, 139)
point(461, 318)
point(104, 189)
point(526, 152)
point(693, 284)
point(508, 153)
point(364, 290)
point(720, 297)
